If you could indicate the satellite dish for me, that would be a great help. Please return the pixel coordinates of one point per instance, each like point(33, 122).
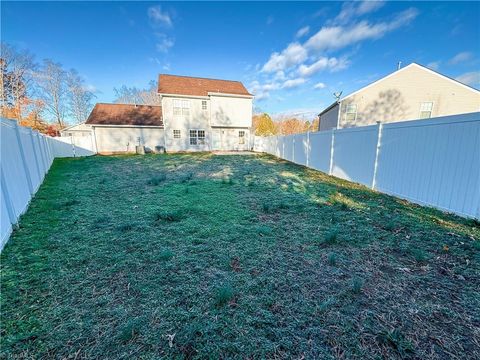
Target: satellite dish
point(337, 95)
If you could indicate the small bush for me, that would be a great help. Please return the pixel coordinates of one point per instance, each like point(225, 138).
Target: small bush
point(396, 340)
point(357, 285)
point(156, 180)
point(332, 259)
point(331, 237)
point(223, 295)
point(130, 331)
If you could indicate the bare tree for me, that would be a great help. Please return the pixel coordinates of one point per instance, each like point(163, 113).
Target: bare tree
point(133, 95)
point(52, 84)
point(17, 67)
point(79, 97)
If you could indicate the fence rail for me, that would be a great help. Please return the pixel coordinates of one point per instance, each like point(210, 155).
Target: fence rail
point(26, 156)
point(434, 162)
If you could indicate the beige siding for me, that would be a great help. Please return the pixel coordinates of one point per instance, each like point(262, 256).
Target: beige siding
point(113, 139)
point(198, 119)
point(231, 111)
point(329, 119)
point(399, 97)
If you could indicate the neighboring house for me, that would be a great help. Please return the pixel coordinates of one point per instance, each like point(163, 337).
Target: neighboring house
point(196, 114)
point(81, 129)
point(413, 92)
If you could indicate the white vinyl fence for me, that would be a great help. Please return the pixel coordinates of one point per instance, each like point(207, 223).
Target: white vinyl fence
point(434, 162)
point(26, 156)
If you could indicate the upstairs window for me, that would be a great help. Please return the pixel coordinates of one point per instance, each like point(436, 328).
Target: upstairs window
point(241, 137)
point(351, 113)
point(204, 104)
point(176, 134)
point(181, 107)
point(197, 137)
point(426, 110)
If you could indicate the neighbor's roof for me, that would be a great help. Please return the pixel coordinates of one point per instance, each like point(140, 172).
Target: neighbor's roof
point(186, 85)
point(125, 114)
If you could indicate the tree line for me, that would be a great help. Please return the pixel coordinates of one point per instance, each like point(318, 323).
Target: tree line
point(264, 125)
point(41, 94)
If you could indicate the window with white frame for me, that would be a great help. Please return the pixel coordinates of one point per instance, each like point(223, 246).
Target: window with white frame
point(204, 104)
point(241, 137)
point(197, 137)
point(426, 110)
point(351, 112)
point(176, 134)
point(181, 107)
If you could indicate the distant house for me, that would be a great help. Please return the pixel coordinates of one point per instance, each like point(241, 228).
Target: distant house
point(196, 114)
point(76, 130)
point(413, 92)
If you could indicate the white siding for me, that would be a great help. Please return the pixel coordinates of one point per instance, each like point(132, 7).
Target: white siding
point(111, 139)
point(230, 111)
point(198, 119)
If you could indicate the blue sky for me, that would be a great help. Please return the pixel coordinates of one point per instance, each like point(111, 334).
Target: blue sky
point(292, 55)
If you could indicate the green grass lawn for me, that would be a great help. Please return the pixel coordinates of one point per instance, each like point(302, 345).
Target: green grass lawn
point(195, 256)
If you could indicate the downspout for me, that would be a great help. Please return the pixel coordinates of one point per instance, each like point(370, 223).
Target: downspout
point(339, 114)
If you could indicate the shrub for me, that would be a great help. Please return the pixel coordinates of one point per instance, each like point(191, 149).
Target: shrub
point(223, 295)
point(357, 285)
point(332, 259)
point(331, 237)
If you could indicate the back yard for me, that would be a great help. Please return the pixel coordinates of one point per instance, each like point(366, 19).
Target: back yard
point(194, 256)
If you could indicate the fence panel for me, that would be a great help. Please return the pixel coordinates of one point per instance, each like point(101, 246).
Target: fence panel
point(434, 162)
point(354, 154)
point(12, 168)
point(300, 149)
point(320, 145)
point(26, 156)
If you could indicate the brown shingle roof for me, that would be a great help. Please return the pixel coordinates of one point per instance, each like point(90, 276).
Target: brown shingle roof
point(185, 85)
point(125, 114)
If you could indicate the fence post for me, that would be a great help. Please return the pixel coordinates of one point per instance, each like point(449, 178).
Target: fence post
point(308, 148)
point(73, 146)
point(35, 154)
point(330, 171)
point(377, 152)
point(8, 201)
point(23, 160)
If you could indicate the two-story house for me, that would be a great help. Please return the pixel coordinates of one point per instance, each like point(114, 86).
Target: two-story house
point(196, 114)
point(412, 92)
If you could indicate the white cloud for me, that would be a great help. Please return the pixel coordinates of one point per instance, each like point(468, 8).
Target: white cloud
point(159, 17)
point(332, 64)
point(470, 78)
point(294, 54)
point(164, 43)
point(434, 65)
point(303, 31)
point(352, 10)
point(336, 37)
point(461, 57)
point(320, 85)
point(292, 83)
